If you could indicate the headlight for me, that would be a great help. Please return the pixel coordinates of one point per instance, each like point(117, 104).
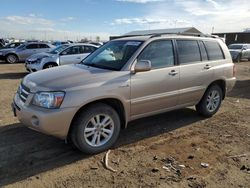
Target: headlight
point(48, 99)
point(38, 60)
point(1, 53)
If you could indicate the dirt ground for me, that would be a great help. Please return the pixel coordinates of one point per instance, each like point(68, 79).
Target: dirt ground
point(147, 154)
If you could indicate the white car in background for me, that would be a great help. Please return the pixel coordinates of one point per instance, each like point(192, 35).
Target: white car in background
point(61, 55)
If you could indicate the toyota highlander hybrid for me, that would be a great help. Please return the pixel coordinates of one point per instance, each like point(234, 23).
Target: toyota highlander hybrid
point(125, 79)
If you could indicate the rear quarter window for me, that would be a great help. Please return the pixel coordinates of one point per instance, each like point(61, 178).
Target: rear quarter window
point(214, 50)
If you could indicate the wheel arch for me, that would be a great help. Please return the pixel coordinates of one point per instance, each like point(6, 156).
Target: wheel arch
point(45, 64)
point(115, 103)
point(222, 84)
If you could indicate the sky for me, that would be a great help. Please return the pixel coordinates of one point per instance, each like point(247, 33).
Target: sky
point(77, 19)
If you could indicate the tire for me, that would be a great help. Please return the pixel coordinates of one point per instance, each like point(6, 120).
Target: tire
point(237, 60)
point(12, 58)
point(49, 65)
point(89, 136)
point(209, 105)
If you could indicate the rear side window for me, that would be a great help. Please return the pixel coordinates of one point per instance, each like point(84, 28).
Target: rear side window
point(160, 53)
point(89, 49)
point(32, 46)
point(188, 51)
point(43, 46)
point(214, 51)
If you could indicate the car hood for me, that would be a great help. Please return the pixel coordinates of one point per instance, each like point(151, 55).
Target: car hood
point(40, 56)
point(70, 77)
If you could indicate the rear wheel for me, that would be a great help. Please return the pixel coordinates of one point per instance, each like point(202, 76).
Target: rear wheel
point(238, 59)
point(11, 58)
point(95, 129)
point(210, 102)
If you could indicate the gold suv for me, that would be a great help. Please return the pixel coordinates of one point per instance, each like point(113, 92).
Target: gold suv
point(125, 79)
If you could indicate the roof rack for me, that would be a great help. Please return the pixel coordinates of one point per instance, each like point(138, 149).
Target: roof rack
point(177, 34)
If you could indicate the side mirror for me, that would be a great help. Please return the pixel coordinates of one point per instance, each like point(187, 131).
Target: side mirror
point(142, 66)
point(244, 48)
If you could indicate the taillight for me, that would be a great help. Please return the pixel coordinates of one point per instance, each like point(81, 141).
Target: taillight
point(234, 71)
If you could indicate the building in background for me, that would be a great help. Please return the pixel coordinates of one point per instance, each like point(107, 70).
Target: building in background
point(235, 37)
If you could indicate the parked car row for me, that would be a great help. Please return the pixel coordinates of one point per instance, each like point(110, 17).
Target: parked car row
point(14, 54)
point(61, 55)
point(40, 55)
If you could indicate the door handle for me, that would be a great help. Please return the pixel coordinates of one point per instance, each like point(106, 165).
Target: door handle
point(207, 67)
point(78, 58)
point(173, 72)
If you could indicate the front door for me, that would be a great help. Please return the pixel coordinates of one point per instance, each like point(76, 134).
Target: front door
point(70, 56)
point(155, 90)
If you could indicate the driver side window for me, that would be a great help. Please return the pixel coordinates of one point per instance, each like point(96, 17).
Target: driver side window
point(160, 53)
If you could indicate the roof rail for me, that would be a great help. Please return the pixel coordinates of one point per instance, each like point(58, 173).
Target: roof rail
point(178, 34)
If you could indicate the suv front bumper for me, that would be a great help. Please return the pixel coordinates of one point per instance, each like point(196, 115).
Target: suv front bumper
point(55, 122)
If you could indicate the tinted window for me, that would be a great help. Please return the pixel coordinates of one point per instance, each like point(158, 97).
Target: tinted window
point(81, 49)
point(72, 50)
point(32, 46)
point(89, 49)
point(203, 51)
point(43, 46)
point(188, 51)
point(160, 53)
point(235, 46)
point(213, 50)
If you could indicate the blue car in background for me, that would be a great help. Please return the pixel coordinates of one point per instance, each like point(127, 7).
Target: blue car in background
point(58, 43)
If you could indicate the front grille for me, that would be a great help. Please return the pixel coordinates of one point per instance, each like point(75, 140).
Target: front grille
point(23, 92)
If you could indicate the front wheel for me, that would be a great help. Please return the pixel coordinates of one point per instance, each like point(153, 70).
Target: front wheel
point(210, 102)
point(49, 65)
point(238, 59)
point(95, 129)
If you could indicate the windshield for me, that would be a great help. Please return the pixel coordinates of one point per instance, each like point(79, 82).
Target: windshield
point(235, 46)
point(58, 49)
point(112, 55)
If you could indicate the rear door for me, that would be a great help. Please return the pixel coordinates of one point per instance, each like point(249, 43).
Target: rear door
point(157, 89)
point(85, 50)
point(246, 52)
point(195, 70)
point(44, 48)
point(197, 60)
